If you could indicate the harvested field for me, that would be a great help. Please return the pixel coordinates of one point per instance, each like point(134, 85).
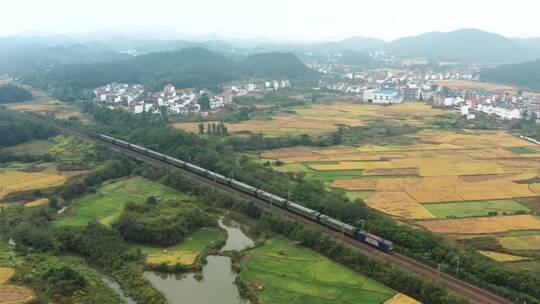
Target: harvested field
point(15, 181)
point(503, 257)
point(5, 274)
point(443, 167)
point(482, 225)
point(526, 242)
point(468, 84)
point(400, 298)
point(13, 294)
point(357, 165)
point(398, 204)
point(172, 258)
point(320, 119)
point(37, 203)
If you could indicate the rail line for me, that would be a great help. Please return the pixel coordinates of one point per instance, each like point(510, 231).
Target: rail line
point(472, 293)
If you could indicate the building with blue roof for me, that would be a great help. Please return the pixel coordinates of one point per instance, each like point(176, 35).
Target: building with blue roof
point(382, 96)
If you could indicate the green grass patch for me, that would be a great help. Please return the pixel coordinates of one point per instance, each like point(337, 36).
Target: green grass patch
point(107, 203)
point(523, 150)
point(34, 147)
point(470, 209)
point(353, 195)
point(198, 241)
point(522, 232)
point(292, 274)
point(297, 167)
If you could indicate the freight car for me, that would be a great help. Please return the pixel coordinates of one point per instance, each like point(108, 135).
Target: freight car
point(301, 210)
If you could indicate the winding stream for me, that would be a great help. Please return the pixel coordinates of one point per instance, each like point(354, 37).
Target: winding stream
point(116, 287)
point(217, 285)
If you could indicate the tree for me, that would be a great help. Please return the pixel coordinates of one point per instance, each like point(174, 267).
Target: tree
point(204, 102)
point(151, 200)
point(201, 128)
point(53, 203)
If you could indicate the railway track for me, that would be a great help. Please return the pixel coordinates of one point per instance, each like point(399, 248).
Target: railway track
point(468, 291)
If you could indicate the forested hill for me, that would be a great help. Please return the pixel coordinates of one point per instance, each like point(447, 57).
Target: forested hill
point(467, 45)
point(189, 67)
point(12, 93)
point(525, 75)
point(275, 65)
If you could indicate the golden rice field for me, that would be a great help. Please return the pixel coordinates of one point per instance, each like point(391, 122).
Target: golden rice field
point(324, 118)
point(37, 203)
point(172, 258)
point(467, 84)
point(482, 225)
point(15, 181)
point(440, 167)
point(400, 298)
point(5, 274)
point(526, 242)
point(503, 257)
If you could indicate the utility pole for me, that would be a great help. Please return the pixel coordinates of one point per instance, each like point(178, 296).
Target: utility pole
point(440, 267)
point(457, 265)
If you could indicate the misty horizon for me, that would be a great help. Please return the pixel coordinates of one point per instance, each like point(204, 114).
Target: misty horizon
point(305, 21)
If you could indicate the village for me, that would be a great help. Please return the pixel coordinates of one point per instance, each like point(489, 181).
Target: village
point(174, 101)
point(389, 86)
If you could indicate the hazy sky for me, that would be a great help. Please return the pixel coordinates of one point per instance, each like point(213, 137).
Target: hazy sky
point(281, 19)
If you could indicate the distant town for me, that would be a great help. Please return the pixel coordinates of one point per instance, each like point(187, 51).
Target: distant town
point(377, 86)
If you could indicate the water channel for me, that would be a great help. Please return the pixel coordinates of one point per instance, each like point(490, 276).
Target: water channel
point(217, 285)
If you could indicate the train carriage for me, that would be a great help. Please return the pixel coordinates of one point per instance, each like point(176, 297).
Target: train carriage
point(217, 177)
point(271, 198)
point(178, 163)
point(121, 143)
point(195, 169)
point(338, 225)
point(156, 154)
point(139, 149)
point(301, 210)
point(243, 187)
point(106, 138)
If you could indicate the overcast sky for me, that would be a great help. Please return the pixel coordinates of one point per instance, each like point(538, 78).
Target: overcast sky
point(306, 20)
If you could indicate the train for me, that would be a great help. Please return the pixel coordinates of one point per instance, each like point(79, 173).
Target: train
point(325, 220)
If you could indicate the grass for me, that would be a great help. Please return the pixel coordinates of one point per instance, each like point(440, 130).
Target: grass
point(34, 147)
point(353, 195)
point(281, 272)
point(107, 203)
point(523, 150)
point(184, 253)
point(470, 209)
point(502, 257)
point(198, 241)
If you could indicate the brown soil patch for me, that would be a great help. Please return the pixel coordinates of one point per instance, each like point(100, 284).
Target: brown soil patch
point(13, 294)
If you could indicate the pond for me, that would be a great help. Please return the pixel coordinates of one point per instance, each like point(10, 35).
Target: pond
point(217, 284)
